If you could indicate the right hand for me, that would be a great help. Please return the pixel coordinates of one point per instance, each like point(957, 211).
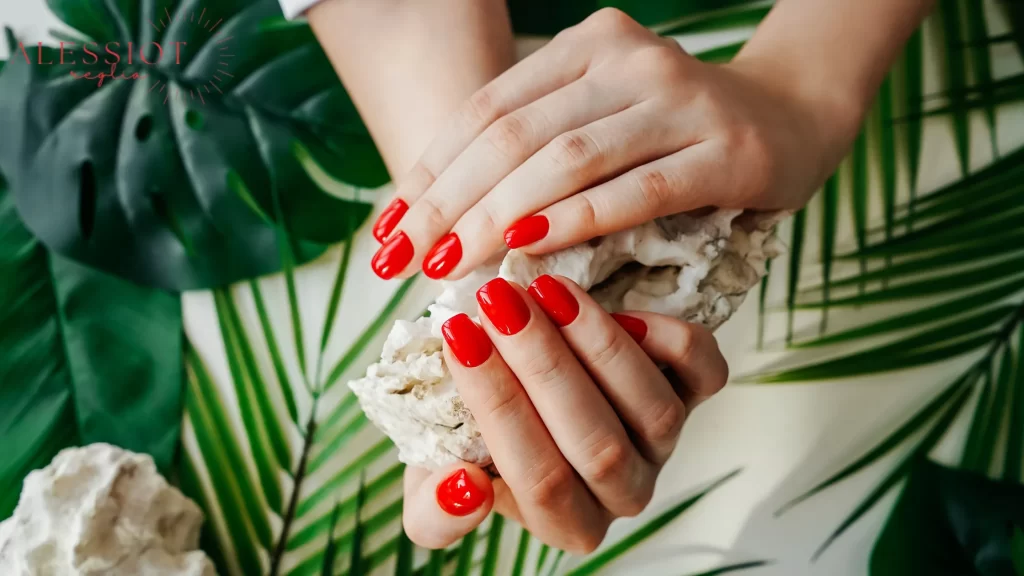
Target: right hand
point(577, 416)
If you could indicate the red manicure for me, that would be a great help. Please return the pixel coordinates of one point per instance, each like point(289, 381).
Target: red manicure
point(389, 218)
point(467, 341)
point(526, 231)
point(636, 327)
point(458, 496)
point(393, 256)
point(443, 257)
point(555, 299)
point(503, 306)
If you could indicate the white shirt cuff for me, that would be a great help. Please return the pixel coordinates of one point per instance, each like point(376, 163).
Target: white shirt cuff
point(294, 8)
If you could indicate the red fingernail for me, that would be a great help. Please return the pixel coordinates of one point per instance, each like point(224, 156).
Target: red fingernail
point(467, 341)
point(389, 218)
point(443, 257)
point(636, 327)
point(555, 299)
point(503, 306)
point(393, 256)
point(458, 496)
point(526, 231)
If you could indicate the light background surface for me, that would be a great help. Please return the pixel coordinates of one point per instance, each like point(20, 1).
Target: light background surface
point(785, 438)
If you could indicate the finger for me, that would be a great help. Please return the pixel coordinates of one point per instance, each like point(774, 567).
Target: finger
point(563, 60)
point(575, 412)
point(550, 497)
point(692, 178)
point(444, 505)
point(571, 162)
point(501, 148)
point(629, 379)
point(689, 349)
point(557, 64)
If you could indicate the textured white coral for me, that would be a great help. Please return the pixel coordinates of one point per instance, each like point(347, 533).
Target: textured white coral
point(697, 267)
point(101, 510)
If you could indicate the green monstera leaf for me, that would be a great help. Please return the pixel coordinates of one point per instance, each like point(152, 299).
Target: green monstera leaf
point(84, 357)
point(182, 173)
point(950, 522)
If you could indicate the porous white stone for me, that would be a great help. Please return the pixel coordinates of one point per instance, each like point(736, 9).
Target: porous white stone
point(101, 510)
point(694, 266)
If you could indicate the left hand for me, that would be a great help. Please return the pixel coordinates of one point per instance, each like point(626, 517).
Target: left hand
point(578, 418)
point(606, 127)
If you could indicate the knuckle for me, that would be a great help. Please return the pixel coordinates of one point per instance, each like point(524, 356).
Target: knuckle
point(664, 423)
point(481, 108)
point(661, 61)
point(501, 405)
point(421, 175)
point(654, 187)
point(545, 369)
point(584, 215)
point(574, 150)
point(510, 136)
point(432, 212)
point(481, 222)
point(588, 540)
point(607, 461)
point(636, 502)
point(610, 20)
point(603, 348)
point(684, 343)
point(552, 488)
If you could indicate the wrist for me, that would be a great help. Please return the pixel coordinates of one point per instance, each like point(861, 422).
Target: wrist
point(831, 109)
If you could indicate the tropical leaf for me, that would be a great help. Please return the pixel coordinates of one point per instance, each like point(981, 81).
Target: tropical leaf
point(929, 532)
point(952, 258)
point(84, 357)
point(171, 179)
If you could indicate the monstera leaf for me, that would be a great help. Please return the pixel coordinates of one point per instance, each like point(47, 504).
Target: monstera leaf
point(182, 173)
point(84, 357)
point(950, 522)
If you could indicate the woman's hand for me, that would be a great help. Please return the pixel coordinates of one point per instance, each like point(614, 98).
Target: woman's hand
point(577, 416)
point(606, 127)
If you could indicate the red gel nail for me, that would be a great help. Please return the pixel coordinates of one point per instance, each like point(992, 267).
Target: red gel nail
point(636, 327)
point(393, 256)
point(443, 257)
point(389, 218)
point(555, 299)
point(467, 341)
point(527, 231)
point(503, 306)
point(458, 496)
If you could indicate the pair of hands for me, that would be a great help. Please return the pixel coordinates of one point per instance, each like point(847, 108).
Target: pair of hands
point(606, 127)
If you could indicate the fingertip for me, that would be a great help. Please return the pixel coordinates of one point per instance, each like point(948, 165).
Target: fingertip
point(465, 491)
point(446, 504)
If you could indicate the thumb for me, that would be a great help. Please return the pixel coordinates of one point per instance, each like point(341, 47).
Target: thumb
point(446, 504)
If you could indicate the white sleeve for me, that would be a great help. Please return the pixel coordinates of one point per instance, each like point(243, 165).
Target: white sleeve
point(294, 8)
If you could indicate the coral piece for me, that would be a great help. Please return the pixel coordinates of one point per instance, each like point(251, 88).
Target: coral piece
point(693, 266)
point(100, 510)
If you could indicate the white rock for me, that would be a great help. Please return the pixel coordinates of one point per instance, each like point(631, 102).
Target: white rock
point(697, 267)
point(101, 510)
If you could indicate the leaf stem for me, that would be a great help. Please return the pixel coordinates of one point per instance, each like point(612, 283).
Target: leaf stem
point(293, 501)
